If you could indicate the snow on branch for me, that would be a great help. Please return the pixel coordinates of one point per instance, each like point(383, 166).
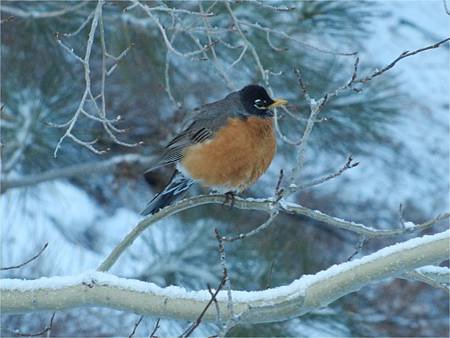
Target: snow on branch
point(309, 292)
point(269, 206)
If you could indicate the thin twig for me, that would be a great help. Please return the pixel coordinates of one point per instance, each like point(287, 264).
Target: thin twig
point(289, 37)
point(27, 261)
point(163, 32)
point(227, 282)
point(47, 330)
point(87, 79)
point(108, 126)
point(197, 322)
point(315, 108)
point(302, 84)
point(171, 10)
point(275, 8)
point(400, 57)
point(216, 304)
point(96, 19)
point(74, 170)
point(348, 165)
point(359, 245)
point(236, 22)
point(253, 232)
point(41, 15)
point(269, 278)
point(136, 326)
point(215, 60)
point(155, 328)
point(446, 7)
point(278, 189)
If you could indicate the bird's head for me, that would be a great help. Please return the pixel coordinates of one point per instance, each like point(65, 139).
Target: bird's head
point(257, 102)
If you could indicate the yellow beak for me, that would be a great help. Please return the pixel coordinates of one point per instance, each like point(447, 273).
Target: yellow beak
point(278, 103)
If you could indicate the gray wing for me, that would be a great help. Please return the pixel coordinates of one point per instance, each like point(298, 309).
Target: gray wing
point(203, 124)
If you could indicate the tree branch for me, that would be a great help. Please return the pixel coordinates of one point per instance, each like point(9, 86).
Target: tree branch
point(400, 57)
point(72, 171)
point(17, 12)
point(301, 296)
point(27, 261)
point(266, 205)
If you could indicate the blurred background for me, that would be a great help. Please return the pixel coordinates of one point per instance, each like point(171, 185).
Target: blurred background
point(397, 127)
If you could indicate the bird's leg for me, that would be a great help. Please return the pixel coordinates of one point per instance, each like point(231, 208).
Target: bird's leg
point(229, 197)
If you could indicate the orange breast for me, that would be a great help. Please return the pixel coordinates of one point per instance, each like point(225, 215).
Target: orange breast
point(235, 158)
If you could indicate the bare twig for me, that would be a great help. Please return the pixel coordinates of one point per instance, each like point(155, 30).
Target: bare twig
point(278, 189)
point(136, 326)
point(289, 37)
point(74, 170)
point(107, 125)
point(302, 84)
point(96, 19)
point(216, 304)
point(271, 45)
point(348, 85)
point(162, 30)
point(275, 8)
point(226, 278)
point(359, 245)
point(400, 57)
point(236, 22)
point(87, 79)
point(348, 165)
point(47, 330)
point(315, 108)
point(155, 328)
point(280, 133)
point(253, 232)
point(215, 60)
point(27, 261)
point(17, 12)
point(197, 322)
point(269, 278)
point(117, 59)
point(446, 7)
point(171, 10)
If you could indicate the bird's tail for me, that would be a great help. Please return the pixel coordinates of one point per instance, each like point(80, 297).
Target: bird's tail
point(174, 190)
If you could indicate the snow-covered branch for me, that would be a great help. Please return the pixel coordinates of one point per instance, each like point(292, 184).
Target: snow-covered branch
point(267, 205)
point(435, 276)
point(301, 296)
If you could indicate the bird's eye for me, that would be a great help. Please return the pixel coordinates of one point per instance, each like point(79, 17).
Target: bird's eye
point(260, 104)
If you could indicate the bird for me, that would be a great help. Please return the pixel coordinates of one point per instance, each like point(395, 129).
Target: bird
point(224, 146)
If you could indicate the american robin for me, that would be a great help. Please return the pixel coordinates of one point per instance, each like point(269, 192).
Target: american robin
point(224, 145)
